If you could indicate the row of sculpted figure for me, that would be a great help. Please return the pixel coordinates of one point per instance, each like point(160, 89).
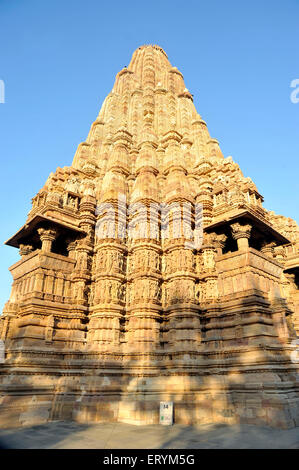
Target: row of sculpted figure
point(178, 260)
point(107, 291)
point(110, 260)
point(186, 291)
point(144, 290)
point(143, 261)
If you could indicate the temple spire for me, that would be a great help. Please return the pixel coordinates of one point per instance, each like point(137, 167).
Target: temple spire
point(150, 95)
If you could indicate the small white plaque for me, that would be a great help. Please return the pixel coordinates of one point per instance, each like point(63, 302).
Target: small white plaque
point(166, 413)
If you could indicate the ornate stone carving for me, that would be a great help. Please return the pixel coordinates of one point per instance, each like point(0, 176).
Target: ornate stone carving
point(47, 237)
point(71, 248)
point(219, 242)
point(25, 249)
point(268, 248)
point(241, 233)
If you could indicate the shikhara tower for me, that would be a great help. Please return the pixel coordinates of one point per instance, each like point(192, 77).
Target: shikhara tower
point(104, 327)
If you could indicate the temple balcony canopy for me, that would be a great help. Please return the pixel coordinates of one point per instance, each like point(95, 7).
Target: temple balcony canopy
point(261, 231)
point(28, 233)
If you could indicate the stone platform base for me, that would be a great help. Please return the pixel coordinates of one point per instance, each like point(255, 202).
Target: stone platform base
point(197, 400)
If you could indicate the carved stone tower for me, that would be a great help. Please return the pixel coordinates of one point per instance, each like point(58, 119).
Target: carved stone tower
point(151, 271)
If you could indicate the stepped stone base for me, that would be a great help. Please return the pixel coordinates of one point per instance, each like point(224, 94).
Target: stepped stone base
point(257, 396)
point(263, 409)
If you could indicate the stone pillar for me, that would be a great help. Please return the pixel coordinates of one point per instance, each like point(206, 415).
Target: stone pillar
point(39, 282)
point(205, 198)
point(107, 298)
point(208, 286)
point(58, 291)
point(82, 249)
point(49, 285)
point(5, 327)
point(47, 237)
point(208, 251)
point(279, 254)
point(268, 249)
point(219, 242)
point(144, 300)
point(241, 233)
point(179, 299)
point(71, 248)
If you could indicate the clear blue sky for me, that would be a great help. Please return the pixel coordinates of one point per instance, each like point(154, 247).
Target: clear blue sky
point(59, 60)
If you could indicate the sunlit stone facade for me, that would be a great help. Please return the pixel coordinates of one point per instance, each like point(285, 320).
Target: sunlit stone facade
point(150, 271)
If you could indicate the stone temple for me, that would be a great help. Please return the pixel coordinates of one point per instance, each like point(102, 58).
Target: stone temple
point(150, 271)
